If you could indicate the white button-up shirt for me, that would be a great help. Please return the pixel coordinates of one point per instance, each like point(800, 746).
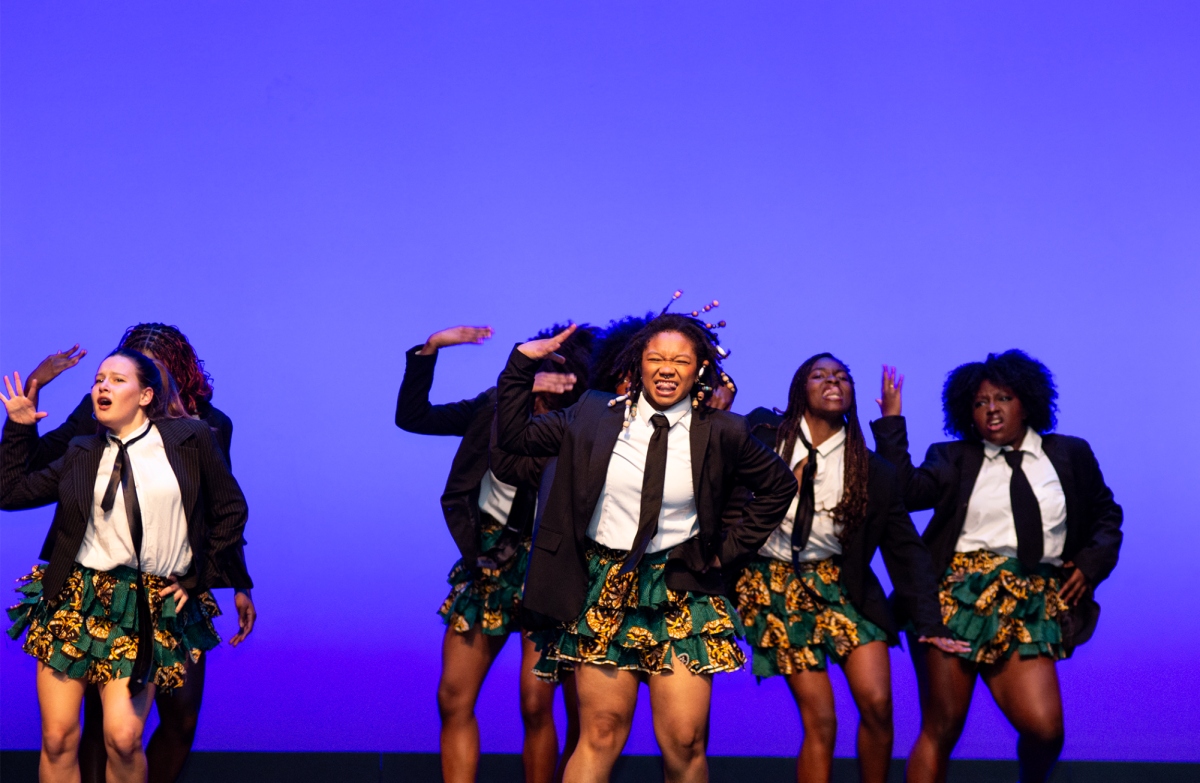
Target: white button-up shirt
point(989, 523)
point(107, 543)
point(496, 497)
point(615, 520)
point(828, 483)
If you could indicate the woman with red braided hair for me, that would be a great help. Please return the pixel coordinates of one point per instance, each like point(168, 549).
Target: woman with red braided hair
point(809, 596)
point(179, 711)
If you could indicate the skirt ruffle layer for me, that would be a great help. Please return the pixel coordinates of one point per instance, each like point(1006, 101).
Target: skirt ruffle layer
point(487, 597)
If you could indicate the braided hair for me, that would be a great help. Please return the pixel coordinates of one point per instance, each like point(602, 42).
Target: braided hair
point(704, 342)
point(852, 509)
point(171, 347)
point(608, 348)
point(1030, 380)
point(577, 350)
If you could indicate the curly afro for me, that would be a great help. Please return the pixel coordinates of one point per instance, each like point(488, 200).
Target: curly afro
point(577, 350)
point(609, 346)
point(1026, 377)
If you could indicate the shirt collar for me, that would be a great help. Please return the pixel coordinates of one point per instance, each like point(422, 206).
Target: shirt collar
point(142, 431)
point(829, 446)
point(1031, 444)
point(679, 412)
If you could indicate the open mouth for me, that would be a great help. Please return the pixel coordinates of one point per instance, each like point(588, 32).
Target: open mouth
point(666, 388)
point(103, 403)
point(995, 425)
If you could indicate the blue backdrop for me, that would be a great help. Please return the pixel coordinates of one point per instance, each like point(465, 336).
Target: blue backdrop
point(307, 190)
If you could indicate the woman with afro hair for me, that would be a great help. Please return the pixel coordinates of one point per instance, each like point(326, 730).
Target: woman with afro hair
point(628, 556)
point(1023, 530)
point(809, 597)
point(179, 710)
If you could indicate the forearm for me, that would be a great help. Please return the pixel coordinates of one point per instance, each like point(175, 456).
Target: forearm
point(517, 431)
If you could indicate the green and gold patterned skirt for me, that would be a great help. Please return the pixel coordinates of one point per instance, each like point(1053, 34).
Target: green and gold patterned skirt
point(487, 597)
point(797, 623)
point(90, 629)
point(636, 623)
point(998, 606)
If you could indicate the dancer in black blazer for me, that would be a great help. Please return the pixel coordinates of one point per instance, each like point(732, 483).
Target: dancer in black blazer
point(1023, 530)
point(488, 504)
point(628, 554)
point(111, 625)
point(809, 596)
point(179, 709)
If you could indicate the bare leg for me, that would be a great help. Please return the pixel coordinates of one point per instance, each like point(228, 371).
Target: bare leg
point(946, 684)
point(124, 722)
point(178, 714)
point(540, 751)
point(571, 702)
point(680, 702)
point(607, 698)
point(466, 659)
point(869, 675)
point(1026, 691)
point(92, 756)
point(59, 698)
point(814, 697)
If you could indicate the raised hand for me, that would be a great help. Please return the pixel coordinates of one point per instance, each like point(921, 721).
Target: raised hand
point(946, 645)
point(721, 399)
point(554, 382)
point(246, 616)
point(889, 402)
point(1076, 586)
point(540, 349)
point(21, 409)
point(455, 335)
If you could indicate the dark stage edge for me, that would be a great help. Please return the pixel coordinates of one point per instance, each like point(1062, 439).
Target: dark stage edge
point(21, 765)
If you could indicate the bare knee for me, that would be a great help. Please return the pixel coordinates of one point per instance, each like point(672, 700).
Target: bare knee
point(124, 742)
point(454, 701)
point(1045, 731)
point(682, 742)
point(820, 724)
point(605, 731)
point(537, 707)
point(875, 710)
point(60, 740)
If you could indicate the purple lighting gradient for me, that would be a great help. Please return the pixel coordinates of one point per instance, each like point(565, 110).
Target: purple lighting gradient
point(308, 190)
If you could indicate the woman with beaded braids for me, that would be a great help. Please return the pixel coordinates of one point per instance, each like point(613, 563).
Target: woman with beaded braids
point(809, 596)
point(145, 509)
point(1023, 530)
point(179, 709)
point(628, 554)
point(488, 504)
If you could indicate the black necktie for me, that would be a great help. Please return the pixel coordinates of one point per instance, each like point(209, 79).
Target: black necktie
point(122, 473)
point(1027, 515)
point(806, 504)
point(653, 479)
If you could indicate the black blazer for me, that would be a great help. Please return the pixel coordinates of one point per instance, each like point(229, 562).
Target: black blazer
point(945, 481)
point(53, 444)
point(212, 500)
point(583, 437)
point(887, 527)
point(470, 420)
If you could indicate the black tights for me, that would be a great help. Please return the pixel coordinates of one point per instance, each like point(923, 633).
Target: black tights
point(178, 714)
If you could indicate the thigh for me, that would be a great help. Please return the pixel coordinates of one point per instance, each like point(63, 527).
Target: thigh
point(605, 691)
point(947, 681)
point(467, 657)
point(59, 698)
point(680, 696)
point(530, 683)
point(813, 693)
point(184, 702)
point(125, 714)
point(869, 674)
point(1026, 690)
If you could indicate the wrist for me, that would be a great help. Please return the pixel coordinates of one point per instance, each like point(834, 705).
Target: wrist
point(429, 348)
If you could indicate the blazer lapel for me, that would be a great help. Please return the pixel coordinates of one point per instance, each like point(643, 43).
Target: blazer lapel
point(699, 439)
point(83, 482)
point(607, 432)
point(969, 466)
point(185, 463)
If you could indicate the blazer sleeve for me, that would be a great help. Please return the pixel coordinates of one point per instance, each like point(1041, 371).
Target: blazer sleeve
point(1098, 556)
point(524, 472)
point(414, 412)
point(763, 474)
point(222, 426)
point(53, 444)
point(20, 487)
point(227, 513)
point(517, 431)
point(920, 486)
point(908, 562)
